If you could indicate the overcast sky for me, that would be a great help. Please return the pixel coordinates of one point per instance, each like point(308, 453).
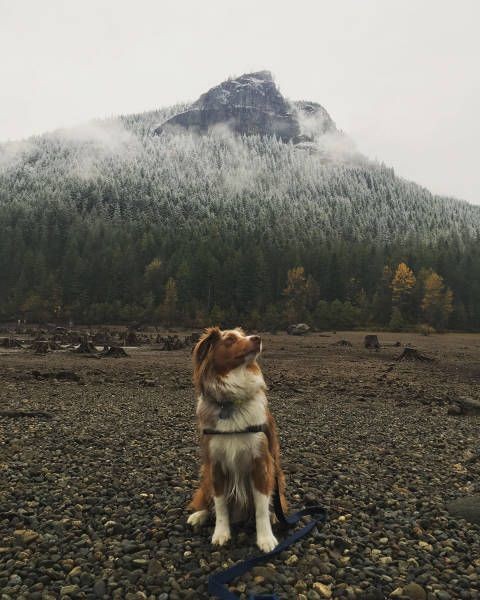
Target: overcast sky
point(402, 77)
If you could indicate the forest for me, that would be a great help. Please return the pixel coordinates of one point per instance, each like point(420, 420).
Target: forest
point(107, 223)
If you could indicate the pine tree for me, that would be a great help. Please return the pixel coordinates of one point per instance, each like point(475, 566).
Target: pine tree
point(382, 300)
point(153, 277)
point(437, 303)
point(271, 318)
point(168, 310)
point(397, 322)
point(322, 315)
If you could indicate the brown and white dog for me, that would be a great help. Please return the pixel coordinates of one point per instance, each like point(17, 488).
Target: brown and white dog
point(239, 470)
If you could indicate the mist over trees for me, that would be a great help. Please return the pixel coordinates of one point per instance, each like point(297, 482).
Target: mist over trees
point(107, 223)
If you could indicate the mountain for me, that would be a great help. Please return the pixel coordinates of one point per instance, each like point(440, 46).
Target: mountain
point(252, 104)
point(221, 197)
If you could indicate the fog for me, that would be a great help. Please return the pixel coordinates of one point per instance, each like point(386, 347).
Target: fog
point(400, 78)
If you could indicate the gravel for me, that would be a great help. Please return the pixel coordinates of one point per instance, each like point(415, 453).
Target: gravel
point(92, 501)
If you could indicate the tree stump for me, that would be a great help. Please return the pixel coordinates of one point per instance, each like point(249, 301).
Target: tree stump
point(411, 354)
point(86, 347)
point(114, 352)
point(172, 342)
point(371, 342)
point(41, 346)
point(343, 343)
point(9, 342)
point(191, 340)
point(131, 339)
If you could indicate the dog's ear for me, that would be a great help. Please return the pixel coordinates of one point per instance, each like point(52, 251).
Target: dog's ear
point(210, 336)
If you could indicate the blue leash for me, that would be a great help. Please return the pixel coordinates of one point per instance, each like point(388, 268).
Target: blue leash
point(217, 583)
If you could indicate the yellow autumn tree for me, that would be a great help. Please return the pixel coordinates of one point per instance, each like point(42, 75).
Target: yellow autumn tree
point(402, 285)
point(437, 302)
point(296, 293)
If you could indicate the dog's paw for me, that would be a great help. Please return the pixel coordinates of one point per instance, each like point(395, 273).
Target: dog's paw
point(197, 518)
point(220, 537)
point(267, 542)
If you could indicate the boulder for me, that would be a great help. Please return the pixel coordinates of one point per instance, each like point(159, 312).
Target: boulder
point(469, 406)
point(467, 507)
point(298, 329)
point(454, 409)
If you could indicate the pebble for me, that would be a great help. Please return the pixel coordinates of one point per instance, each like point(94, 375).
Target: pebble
point(324, 590)
point(25, 536)
point(414, 591)
point(99, 588)
point(75, 572)
point(68, 590)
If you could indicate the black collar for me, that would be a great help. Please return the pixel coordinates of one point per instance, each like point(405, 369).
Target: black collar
point(250, 429)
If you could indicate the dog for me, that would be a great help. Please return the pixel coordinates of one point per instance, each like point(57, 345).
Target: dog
point(239, 471)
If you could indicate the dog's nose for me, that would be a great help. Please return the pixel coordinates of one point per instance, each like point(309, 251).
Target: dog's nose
point(256, 338)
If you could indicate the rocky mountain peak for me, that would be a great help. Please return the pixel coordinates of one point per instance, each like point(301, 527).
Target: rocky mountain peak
point(253, 104)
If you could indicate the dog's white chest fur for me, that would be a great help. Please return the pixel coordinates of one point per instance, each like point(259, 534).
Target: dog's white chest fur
point(235, 452)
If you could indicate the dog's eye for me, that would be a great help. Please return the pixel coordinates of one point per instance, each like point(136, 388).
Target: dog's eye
point(229, 340)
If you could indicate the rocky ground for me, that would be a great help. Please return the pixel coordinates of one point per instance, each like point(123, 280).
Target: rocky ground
point(92, 500)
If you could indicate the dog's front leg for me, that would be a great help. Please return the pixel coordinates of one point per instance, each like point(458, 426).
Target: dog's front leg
point(262, 486)
point(221, 534)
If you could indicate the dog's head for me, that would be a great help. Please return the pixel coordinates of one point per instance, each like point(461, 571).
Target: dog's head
point(218, 352)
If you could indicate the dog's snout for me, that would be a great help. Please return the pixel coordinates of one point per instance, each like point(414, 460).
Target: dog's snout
point(256, 338)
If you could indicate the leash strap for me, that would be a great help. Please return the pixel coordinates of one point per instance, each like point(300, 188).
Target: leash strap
point(217, 583)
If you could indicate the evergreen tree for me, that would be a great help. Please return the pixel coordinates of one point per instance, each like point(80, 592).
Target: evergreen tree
point(437, 303)
point(397, 322)
point(168, 309)
point(382, 299)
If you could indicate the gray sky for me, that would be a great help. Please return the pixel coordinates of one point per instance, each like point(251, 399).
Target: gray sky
point(402, 77)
